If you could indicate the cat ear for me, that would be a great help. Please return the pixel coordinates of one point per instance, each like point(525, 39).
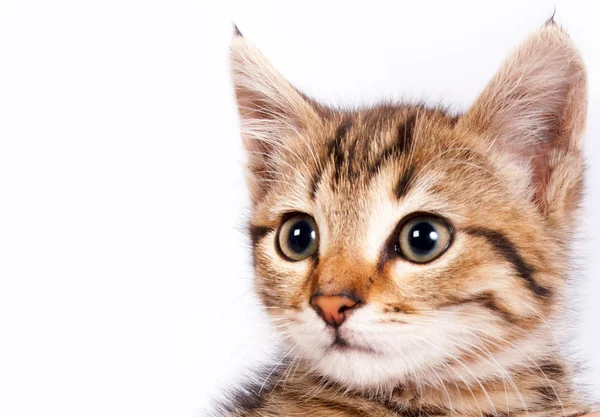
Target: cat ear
point(535, 107)
point(272, 112)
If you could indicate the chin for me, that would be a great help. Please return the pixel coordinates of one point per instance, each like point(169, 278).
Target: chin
point(361, 370)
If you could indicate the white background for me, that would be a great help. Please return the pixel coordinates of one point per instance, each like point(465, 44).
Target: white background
point(124, 272)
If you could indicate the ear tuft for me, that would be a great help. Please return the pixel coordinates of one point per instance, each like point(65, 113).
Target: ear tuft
point(236, 31)
point(550, 20)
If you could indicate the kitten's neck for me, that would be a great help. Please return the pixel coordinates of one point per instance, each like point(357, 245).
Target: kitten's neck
point(546, 390)
point(542, 391)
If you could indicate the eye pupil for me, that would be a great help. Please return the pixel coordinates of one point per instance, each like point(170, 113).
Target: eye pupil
point(301, 236)
point(423, 238)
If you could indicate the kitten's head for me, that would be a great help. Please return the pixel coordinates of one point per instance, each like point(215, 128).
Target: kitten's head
point(398, 242)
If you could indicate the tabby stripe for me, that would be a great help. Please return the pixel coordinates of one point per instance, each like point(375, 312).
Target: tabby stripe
point(404, 182)
point(553, 370)
point(334, 150)
point(507, 249)
point(257, 233)
point(402, 145)
point(489, 301)
point(547, 394)
point(416, 411)
point(405, 133)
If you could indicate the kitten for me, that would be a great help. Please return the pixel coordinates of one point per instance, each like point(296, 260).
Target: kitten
point(415, 260)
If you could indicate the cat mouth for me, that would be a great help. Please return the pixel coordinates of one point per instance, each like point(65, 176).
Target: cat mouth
point(340, 344)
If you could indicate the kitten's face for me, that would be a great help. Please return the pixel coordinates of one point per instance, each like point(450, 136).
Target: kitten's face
point(399, 243)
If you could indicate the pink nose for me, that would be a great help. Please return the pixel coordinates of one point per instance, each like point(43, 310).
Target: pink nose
point(334, 309)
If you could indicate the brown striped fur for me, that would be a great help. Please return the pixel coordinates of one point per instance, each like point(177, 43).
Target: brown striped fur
point(472, 333)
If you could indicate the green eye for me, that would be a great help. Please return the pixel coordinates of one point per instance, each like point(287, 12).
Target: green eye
point(298, 237)
point(424, 238)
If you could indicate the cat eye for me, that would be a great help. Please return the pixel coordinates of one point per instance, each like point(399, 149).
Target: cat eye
point(424, 238)
point(298, 237)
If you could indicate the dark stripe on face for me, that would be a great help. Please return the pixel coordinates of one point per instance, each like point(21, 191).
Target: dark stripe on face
point(316, 180)
point(507, 249)
point(336, 149)
point(405, 133)
point(404, 182)
point(257, 233)
point(335, 152)
point(401, 146)
point(489, 301)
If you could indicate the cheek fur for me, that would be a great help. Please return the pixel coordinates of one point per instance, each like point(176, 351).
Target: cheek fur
point(281, 283)
point(429, 347)
point(309, 333)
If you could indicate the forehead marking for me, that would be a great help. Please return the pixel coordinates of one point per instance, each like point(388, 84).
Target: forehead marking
point(401, 145)
point(404, 182)
point(342, 154)
point(335, 153)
